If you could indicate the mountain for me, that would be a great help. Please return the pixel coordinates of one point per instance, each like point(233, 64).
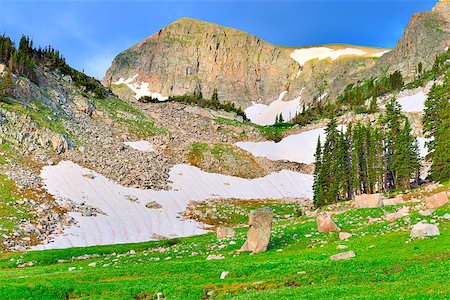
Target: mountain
point(191, 56)
point(426, 36)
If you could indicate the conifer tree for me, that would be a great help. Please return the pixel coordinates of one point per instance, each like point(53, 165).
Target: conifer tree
point(436, 125)
point(318, 182)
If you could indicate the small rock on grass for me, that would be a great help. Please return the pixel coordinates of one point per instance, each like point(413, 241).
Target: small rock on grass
point(343, 255)
point(224, 274)
point(345, 235)
point(424, 230)
point(215, 257)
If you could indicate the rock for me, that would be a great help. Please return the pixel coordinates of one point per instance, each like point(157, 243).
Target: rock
point(446, 216)
point(437, 200)
point(224, 274)
point(393, 217)
point(153, 205)
point(326, 224)
point(426, 213)
point(59, 143)
point(93, 265)
point(215, 257)
point(371, 220)
point(392, 201)
point(71, 269)
point(258, 236)
point(345, 235)
point(225, 232)
point(424, 230)
point(341, 247)
point(83, 105)
point(369, 201)
point(343, 255)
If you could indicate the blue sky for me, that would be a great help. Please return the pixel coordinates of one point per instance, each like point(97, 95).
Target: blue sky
point(91, 33)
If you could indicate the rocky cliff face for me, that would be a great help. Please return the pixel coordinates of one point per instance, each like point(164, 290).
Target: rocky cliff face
point(427, 35)
point(191, 55)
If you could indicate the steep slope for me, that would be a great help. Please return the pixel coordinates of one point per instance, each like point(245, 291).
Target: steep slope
point(427, 35)
point(191, 56)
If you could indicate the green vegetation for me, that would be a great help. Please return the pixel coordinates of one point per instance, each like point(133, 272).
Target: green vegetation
point(224, 159)
point(366, 159)
point(22, 61)
point(436, 125)
point(136, 121)
point(296, 266)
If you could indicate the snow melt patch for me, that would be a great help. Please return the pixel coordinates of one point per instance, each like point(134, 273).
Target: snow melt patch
point(140, 88)
point(380, 54)
point(414, 103)
point(306, 54)
point(297, 147)
point(143, 146)
point(262, 114)
point(126, 221)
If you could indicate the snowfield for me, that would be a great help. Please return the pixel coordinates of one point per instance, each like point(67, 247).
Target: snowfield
point(139, 88)
point(125, 217)
point(297, 147)
point(262, 114)
point(306, 54)
point(414, 103)
point(143, 146)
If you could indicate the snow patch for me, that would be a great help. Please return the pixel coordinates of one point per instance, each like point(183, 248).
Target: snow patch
point(297, 147)
point(306, 54)
point(413, 103)
point(140, 88)
point(380, 54)
point(262, 114)
point(128, 221)
point(143, 146)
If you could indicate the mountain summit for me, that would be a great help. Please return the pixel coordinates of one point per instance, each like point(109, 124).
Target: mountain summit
point(195, 56)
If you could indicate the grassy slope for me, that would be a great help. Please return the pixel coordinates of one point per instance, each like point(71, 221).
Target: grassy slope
point(387, 265)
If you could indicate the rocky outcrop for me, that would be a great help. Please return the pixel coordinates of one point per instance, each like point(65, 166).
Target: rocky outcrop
point(427, 35)
point(258, 237)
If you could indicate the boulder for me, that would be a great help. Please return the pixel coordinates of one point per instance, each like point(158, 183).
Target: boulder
point(59, 143)
point(326, 224)
point(426, 213)
point(258, 237)
point(424, 230)
point(343, 255)
point(83, 105)
point(225, 232)
point(437, 200)
point(369, 201)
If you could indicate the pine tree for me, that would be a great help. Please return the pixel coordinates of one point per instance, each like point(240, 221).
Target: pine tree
point(330, 163)
point(215, 95)
point(436, 125)
point(318, 182)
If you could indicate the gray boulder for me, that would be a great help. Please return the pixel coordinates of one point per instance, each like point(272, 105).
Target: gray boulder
point(258, 237)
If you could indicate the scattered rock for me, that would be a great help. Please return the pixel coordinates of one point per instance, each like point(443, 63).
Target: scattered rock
point(225, 232)
point(343, 255)
point(71, 269)
point(215, 257)
point(345, 235)
point(369, 201)
point(341, 247)
point(224, 274)
point(446, 216)
point(393, 201)
point(93, 265)
point(326, 224)
point(153, 205)
point(258, 237)
point(437, 200)
point(426, 213)
point(59, 143)
point(424, 230)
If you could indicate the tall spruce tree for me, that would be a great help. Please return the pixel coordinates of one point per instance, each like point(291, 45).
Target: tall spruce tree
point(436, 125)
point(318, 182)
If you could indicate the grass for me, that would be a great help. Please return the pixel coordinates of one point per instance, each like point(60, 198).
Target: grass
point(272, 132)
point(134, 120)
point(40, 114)
point(388, 265)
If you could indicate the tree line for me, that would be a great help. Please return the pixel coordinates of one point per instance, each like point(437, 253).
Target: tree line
point(197, 99)
point(366, 158)
point(22, 61)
